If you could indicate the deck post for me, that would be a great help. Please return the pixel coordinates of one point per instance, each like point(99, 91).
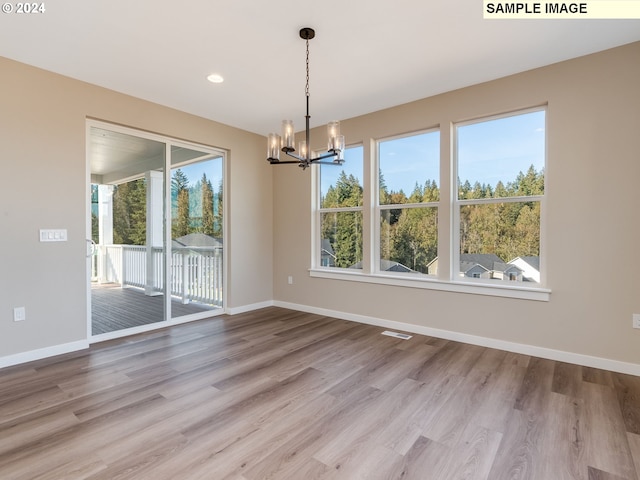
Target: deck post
point(155, 196)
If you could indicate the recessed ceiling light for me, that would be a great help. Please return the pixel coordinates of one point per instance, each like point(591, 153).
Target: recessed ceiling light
point(215, 78)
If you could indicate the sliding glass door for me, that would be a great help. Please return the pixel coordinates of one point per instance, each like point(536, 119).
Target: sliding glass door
point(196, 231)
point(156, 230)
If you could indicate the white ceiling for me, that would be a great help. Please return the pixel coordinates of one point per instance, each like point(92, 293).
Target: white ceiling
point(367, 54)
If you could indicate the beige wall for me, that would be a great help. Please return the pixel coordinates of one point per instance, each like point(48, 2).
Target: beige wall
point(593, 173)
point(592, 219)
point(43, 171)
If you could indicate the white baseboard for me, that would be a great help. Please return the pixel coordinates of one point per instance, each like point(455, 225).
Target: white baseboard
point(249, 308)
point(52, 351)
point(532, 350)
point(41, 353)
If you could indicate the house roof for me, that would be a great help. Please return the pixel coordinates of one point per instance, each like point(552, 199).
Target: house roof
point(487, 260)
point(466, 266)
point(387, 266)
point(505, 267)
point(532, 261)
point(197, 240)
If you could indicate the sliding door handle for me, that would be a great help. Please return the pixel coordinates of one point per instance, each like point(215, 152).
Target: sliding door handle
point(93, 248)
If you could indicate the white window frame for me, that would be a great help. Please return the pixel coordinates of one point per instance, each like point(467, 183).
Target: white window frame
point(457, 203)
point(448, 279)
point(316, 241)
point(377, 208)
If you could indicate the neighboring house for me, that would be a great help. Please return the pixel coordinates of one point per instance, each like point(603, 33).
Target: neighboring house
point(474, 270)
point(487, 260)
point(390, 266)
point(496, 268)
point(506, 272)
point(432, 267)
point(327, 254)
point(483, 265)
point(530, 267)
point(467, 263)
point(197, 240)
point(387, 266)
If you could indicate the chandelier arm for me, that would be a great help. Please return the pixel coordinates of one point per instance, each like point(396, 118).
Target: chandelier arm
point(296, 156)
point(335, 162)
point(330, 154)
point(283, 162)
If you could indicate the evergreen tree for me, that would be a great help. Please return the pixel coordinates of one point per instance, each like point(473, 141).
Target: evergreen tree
point(464, 189)
point(95, 234)
point(344, 229)
point(180, 224)
point(384, 193)
point(179, 204)
point(129, 213)
point(218, 212)
point(416, 238)
point(431, 192)
point(500, 191)
point(409, 235)
point(207, 206)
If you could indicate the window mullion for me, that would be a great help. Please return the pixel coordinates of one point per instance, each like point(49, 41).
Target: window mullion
point(486, 201)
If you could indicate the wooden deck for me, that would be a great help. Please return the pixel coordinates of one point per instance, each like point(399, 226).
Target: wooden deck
point(115, 308)
point(284, 395)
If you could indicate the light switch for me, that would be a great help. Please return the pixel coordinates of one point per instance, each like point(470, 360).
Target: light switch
point(53, 235)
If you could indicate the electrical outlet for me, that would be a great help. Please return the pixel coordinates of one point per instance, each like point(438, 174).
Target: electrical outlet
point(290, 280)
point(19, 314)
point(636, 320)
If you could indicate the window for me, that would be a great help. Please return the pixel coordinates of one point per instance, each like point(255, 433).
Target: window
point(500, 170)
point(341, 196)
point(408, 197)
point(464, 216)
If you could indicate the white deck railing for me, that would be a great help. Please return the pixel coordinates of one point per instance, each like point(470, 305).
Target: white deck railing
point(196, 272)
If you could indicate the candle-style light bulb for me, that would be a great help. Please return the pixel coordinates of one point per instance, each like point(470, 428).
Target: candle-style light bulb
point(273, 147)
point(288, 136)
point(302, 149)
point(333, 132)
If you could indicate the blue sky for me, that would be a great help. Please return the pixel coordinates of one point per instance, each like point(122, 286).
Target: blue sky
point(498, 150)
point(352, 166)
point(194, 171)
point(488, 152)
point(407, 160)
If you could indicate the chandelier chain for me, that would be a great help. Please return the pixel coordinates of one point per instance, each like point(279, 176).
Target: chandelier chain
point(306, 90)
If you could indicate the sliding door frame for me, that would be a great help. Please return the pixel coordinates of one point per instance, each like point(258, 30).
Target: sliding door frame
point(169, 142)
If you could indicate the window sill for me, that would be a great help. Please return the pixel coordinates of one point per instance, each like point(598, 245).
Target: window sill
point(473, 288)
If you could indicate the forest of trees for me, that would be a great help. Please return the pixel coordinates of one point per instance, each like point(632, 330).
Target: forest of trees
point(410, 236)
point(194, 209)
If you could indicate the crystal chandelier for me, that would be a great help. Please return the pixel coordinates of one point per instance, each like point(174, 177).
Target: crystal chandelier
point(303, 156)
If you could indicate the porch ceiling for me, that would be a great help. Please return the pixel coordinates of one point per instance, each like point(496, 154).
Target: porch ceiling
point(115, 157)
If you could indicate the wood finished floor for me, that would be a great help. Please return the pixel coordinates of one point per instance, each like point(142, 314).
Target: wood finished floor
point(279, 394)
point(116, 308)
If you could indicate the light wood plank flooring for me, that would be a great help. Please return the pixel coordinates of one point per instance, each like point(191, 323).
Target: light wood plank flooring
point(279, 394)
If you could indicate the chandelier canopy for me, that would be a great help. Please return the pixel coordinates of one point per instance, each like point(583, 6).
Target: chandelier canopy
point(304, 156)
